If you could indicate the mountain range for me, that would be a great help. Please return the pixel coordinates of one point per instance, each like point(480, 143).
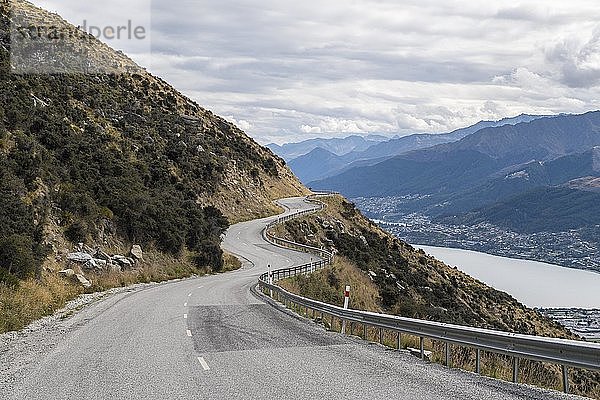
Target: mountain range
point(333, 162)
point(336, 146)
point(491, 166)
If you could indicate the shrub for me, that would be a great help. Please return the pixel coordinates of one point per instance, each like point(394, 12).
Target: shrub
point(17, 258)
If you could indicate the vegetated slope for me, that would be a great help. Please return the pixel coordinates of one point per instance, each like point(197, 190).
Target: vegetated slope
point(116, 159)
point(413, 284)
point(514, 181)
point(546, 209)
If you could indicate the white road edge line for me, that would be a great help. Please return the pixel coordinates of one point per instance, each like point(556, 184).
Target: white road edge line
point(189, 333)
point(184, 316)
point(203, 363)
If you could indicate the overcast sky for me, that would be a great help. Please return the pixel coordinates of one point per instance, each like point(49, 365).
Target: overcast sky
point(289, 70)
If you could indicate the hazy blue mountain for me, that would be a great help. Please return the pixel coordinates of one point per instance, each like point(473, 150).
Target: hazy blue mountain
point(405, 144)
point(337, 146)
point(310, 166)
point(334, 163)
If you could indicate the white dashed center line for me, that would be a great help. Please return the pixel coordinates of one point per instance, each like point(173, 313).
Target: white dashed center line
point(185, 304)
point(190, 295)
point(189, 333)
point(203, 363)
point(184, 316)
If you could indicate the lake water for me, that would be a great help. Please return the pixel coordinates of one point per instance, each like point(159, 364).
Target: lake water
point(535, 284)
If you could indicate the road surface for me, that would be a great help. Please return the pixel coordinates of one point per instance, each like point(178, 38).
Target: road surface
point(211, 338)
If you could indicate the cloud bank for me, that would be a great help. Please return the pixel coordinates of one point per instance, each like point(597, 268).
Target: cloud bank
point(287, 70)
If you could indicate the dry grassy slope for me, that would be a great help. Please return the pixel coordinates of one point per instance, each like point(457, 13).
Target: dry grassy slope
point(405, 281)
point(411, 283)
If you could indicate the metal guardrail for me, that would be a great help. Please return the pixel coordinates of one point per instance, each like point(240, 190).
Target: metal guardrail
point(567, 353)
point(327, 257)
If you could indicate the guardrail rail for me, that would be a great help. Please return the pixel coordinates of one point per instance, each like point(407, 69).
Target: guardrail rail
point(566, 353)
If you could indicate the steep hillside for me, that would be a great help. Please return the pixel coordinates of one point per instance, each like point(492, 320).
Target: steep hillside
point(410, 282)
point(112, 160)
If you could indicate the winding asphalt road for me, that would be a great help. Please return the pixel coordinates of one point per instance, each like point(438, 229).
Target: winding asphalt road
point(211, 338)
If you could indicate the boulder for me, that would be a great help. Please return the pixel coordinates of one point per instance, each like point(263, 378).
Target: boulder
point(67, 272)
point(122, 261)
point(94, 263)
point(83, 281)
point(136, 252)
point(100, 255)
point(79, 257)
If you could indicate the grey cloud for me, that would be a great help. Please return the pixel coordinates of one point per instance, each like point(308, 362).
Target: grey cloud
point(374, 65)
point(579, 64)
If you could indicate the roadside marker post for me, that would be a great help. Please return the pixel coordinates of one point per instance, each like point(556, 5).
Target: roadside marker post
point(346, 301)
point(270, 281)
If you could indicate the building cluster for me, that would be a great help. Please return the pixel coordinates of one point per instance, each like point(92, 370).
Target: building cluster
point(582, 322)
point(577, 248)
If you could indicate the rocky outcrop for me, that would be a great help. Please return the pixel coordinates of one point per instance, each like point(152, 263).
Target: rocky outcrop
point(78, 278)
point(99, 261)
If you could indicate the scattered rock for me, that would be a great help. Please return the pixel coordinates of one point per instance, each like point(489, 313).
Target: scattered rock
point(95, 263)
point(100, 255)
point(84, 282)
point(122, 261)
point(364, 240)
point(417, 353)
point(136, 252)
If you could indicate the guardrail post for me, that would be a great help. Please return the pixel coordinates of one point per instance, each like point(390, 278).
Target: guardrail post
point(478, 361)
point(565, 374)
point(346, 301)
point(515, 377)
point(447, 354)
point(380, 335)
point(365, 332)
point(422, 347)
point(399, 341)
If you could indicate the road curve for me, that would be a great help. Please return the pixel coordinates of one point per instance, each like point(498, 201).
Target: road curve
point(211, 338)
